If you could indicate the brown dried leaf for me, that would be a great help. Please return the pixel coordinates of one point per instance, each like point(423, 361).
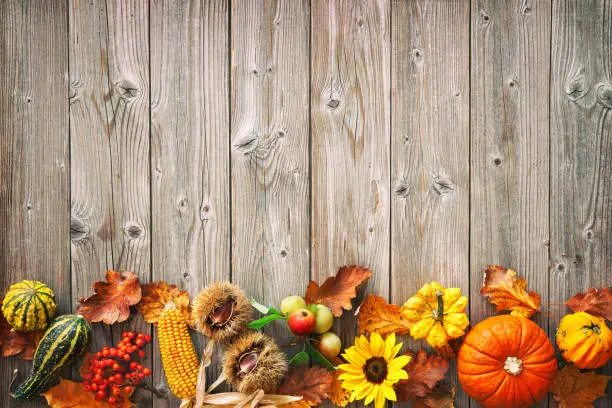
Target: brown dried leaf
point(376, 315)
point(155, 297)
point(441, 397)
point(508, 292)
point(14, 343)
point(70, 394)
point(573, 389)
point(312, 383)
point(112, 299)
point(338, 291)
point(424, 372)
point(597, 302)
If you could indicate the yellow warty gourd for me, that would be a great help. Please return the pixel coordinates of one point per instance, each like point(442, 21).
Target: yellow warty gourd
point(179, 357)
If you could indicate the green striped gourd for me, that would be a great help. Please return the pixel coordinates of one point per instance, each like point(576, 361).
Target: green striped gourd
point(64, 341)
point(28, 306)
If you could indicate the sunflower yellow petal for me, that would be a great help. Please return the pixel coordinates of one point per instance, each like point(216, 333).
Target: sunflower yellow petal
point(389, 346)
point(351, 376)
point(398, 363)
point(380, 399)
point(396, 376)
point(354, 357)
point(377, 345)
point(388, 391)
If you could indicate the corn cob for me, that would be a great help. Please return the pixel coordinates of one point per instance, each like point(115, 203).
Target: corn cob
point(179, 357)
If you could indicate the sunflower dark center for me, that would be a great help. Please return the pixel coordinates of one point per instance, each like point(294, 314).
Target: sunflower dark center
point(375, 370)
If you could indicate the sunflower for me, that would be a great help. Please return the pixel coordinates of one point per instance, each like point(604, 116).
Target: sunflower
point(372, 369)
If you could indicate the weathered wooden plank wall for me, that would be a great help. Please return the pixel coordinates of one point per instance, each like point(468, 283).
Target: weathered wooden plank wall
point(268, 142)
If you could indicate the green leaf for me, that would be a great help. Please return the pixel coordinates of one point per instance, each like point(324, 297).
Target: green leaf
point(259, 323)
point(274, 311)
point(300, 359)
point(261, 308)
point(318, 358)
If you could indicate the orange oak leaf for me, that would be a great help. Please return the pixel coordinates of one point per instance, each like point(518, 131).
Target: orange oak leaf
point(597, 302)
point(424, 372)
point(155, 297)
point(70, 394)
point(339, 396)
point(376, 315)
point(573, 389)
point(441, 397)
point(338, 291)
point(112, 299)
point(312, 383)
point(508, 292)
point(13, 343)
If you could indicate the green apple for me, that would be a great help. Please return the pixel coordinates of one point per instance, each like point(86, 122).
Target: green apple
point(292, 303)
point(330, 345)
point(325, 319)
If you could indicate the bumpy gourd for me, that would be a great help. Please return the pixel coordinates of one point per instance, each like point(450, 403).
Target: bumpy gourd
point(506, 362)
point(179, 358)
point(584, 340)
point(29, 306)
point(64, 341)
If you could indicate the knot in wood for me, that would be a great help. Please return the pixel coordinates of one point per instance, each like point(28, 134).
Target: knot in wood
point(576, 89)
point(134, 231)
point(333, 103)
point(246, 143)
point(401, 188)
point(442, 185)
point(127, 90)
point(604, 95)
point(78, 229)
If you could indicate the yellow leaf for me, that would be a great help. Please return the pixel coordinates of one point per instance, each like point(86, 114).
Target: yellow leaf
point(70, 394)
point(437, 314)
point(508, 292)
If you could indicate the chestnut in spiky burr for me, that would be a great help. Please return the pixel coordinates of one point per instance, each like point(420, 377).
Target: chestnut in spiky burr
point(254, 362)
point(221, 311)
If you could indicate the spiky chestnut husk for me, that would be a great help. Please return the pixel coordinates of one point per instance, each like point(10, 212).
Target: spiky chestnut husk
point(222, 311)
point(254, 362)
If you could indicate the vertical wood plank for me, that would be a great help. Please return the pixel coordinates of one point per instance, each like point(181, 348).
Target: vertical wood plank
point(350, 102)
point(430, 149)
point(269, 148)
point(34, 162)
point(109, 124)
point(510, 61)
point(581, 154)
point(190, 149)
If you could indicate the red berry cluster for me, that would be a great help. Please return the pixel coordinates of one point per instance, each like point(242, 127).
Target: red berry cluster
point(113, 373)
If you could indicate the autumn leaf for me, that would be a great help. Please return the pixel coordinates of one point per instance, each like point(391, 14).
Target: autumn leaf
point(573, 389)
point(314, 384)
point(339, 396)
point(508, 292)
point(70, 394)
point(376, 315)
point(112, 299)
point(424, 372)
point(338, 291)
point(13, 343)
point(593, 301)
point(155, 297)
point(441, 397)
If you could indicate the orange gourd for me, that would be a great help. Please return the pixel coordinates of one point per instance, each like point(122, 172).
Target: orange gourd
point(584, 340)
point(506, 362)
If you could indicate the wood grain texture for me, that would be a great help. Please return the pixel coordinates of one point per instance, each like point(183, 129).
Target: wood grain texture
point(509, 144)
point(109, 128)
point(350, 103)
point(34, 181)
point(581, 154)
point(429, 149)
point(269, 149)
point(190, 150)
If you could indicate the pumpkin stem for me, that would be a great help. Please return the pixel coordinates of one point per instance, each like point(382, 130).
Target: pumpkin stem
point(513, 365)
point(440, 311)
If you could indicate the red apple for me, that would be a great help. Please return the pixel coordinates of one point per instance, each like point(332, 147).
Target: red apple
point(302, 322)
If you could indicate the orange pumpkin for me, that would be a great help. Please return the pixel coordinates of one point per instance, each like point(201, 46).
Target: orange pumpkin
point(584, 340)
point(506, 362)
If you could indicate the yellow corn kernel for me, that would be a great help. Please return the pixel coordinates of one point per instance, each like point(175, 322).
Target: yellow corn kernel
point(179, 357)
